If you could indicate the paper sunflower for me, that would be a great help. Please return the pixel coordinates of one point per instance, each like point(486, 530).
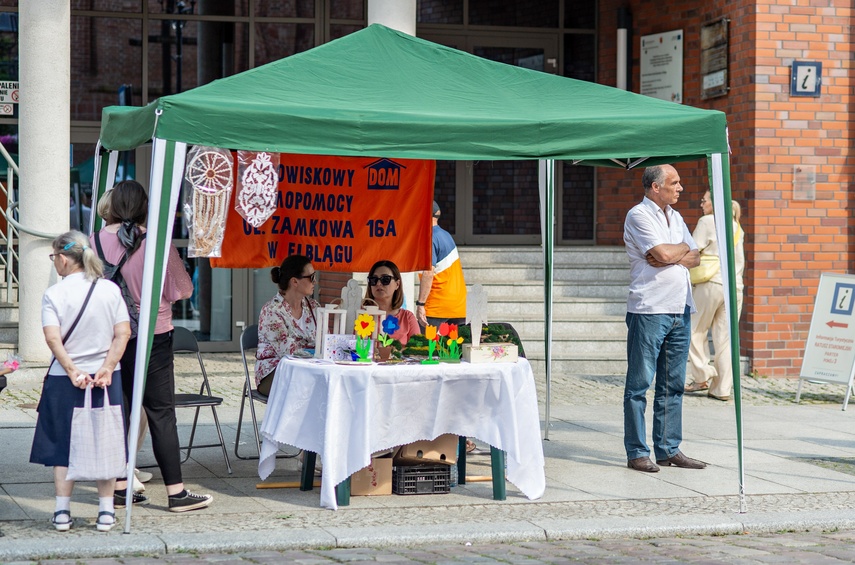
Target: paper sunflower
point(364, 325)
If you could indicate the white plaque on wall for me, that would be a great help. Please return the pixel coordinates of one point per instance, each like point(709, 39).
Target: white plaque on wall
point(662, 65)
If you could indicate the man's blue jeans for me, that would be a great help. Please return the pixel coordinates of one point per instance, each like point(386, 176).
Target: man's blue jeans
point(656, 344)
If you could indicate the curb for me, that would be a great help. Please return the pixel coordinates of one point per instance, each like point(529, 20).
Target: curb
point(97, 546)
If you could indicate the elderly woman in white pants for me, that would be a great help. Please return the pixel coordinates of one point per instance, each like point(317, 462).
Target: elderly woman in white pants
point(717, 379)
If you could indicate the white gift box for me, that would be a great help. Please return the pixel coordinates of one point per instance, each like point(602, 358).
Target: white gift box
point(337, 347)
point(490, 353)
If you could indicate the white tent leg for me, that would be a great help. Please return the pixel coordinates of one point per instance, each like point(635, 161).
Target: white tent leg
point(546, 184)
point(167, 167)
point(722, 205)
point(104, 176)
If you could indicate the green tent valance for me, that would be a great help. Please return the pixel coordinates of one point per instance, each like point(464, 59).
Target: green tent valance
point(400, 96)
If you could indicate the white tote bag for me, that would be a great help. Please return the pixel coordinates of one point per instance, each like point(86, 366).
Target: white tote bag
point(97, 441)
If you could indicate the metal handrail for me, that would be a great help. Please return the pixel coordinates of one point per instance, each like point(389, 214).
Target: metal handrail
point(11, 256)
point(31, 231)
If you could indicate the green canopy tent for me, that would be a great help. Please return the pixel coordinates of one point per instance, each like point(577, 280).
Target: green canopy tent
point(379, 92)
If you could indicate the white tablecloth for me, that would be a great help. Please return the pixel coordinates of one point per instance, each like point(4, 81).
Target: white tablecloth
point(347, 412)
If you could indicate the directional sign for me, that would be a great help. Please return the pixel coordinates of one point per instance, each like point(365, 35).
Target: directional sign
point(9, 92)
point(830, 348)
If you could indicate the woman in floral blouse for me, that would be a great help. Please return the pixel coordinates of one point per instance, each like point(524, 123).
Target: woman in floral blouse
point(287, 322)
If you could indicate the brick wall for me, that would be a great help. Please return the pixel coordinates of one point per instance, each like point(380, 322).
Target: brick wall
point(789, 243)
point(795, 241)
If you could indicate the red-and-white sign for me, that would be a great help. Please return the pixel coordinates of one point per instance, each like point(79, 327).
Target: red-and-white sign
point(343, 213)
point(9, 92)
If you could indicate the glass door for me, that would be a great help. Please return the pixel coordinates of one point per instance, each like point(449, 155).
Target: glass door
point(502, 196)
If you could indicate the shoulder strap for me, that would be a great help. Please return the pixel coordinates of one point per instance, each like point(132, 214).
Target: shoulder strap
point(98, 247)
point(100, 251)
point(82, 308)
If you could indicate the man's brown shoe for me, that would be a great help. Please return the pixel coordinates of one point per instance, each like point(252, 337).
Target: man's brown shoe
point(682, 461)
point(643, 464)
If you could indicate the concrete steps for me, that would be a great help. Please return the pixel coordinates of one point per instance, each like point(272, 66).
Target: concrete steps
point(590, 286)
point(8, 325)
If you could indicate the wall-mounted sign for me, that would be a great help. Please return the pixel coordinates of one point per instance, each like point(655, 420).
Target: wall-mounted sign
point(806, 78)
point(9, 92)
point(662, 65)
point(804, 182)
point(714, 57)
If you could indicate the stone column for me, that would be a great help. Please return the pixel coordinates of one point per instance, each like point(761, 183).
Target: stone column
point(396, 14)
point(44, 141)
point(400, 15)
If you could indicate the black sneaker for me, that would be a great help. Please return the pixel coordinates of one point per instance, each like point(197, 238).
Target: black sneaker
point(119, 499)
point(189, 501)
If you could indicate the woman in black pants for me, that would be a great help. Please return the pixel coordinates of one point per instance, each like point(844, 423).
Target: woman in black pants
point(129, 207)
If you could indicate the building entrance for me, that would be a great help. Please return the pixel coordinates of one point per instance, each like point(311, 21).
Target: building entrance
point(497, 202)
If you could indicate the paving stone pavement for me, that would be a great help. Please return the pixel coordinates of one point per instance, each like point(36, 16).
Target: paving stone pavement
point(805, 511)
point(812, 547)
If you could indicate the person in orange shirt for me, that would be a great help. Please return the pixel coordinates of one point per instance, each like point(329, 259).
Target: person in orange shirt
point(442, 290)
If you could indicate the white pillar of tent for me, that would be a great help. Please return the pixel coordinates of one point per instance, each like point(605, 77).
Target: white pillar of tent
point(396, 14)
point(44, 140)
point(106, 164)
point(719, 172)
point(546, 186)
point(167, 168)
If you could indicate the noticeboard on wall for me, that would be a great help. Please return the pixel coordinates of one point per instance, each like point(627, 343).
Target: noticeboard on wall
point(662, 65)
point(714, 59)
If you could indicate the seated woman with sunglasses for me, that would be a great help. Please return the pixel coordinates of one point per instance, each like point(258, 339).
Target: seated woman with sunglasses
point(384, 288)
point(287, 322)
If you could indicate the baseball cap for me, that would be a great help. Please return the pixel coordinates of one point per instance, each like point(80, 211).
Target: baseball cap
point(435, 208)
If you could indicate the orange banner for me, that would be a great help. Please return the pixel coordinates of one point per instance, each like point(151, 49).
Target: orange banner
point(344, 213)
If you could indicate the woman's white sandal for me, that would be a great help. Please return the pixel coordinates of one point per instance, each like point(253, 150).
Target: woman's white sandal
point(106, 521)
point(64, 525)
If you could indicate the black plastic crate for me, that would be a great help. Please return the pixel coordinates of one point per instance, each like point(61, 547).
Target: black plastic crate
point(421, 479)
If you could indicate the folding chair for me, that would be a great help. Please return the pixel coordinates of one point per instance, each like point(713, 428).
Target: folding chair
point(183, 341)
point(249, 340)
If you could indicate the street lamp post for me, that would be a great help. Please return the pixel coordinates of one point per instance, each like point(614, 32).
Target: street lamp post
point(181, 7)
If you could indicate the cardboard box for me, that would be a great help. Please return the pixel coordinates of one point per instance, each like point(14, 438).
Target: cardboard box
point(374, 480)
point(440, 450)
point(491, 353)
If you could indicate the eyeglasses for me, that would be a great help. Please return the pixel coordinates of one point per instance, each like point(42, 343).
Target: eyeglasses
point(53, 256)
point(385, 279)
point(310, 277)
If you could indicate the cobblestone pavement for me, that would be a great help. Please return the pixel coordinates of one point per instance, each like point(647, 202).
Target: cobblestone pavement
point(226, 376)
point(783, 547)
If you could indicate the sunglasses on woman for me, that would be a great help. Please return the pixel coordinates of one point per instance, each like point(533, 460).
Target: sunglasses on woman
point(385, 279)
point(310, 277)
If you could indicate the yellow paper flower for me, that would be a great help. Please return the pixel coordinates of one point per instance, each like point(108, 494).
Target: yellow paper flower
point(364, 325)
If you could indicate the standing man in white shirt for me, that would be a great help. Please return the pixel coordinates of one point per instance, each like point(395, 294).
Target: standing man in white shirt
point(659, 321)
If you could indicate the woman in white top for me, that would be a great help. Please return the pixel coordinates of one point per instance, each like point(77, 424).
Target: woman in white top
point(717, 379)
point(86, 354)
